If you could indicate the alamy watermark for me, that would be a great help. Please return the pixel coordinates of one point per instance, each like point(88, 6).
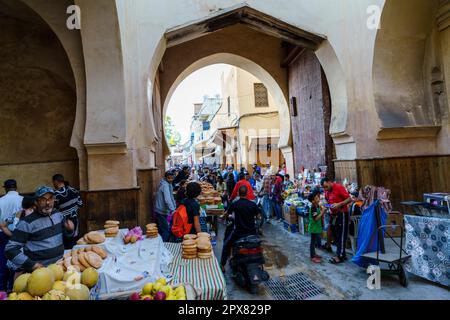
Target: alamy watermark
point(374, 280)
point(374, 18)
point(73, 22)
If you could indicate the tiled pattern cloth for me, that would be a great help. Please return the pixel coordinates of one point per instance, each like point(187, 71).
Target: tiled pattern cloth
point(428, 243)
point(201, 273)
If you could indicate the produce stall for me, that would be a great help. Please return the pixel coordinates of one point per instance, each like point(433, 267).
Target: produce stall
point(122, 264)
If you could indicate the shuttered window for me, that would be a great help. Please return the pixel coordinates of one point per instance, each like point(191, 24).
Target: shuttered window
point(261, 95)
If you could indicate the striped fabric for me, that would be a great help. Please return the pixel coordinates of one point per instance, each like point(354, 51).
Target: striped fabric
point(68, 201)
point(201, 273)
point(37, 238)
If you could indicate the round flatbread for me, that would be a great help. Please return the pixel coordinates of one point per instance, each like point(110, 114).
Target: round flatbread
point(190, 237)
point(95, 237)
point(94, 259)
point(102, 253)
point(83, 261)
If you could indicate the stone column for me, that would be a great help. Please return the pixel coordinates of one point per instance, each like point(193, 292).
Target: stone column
point(443, 22)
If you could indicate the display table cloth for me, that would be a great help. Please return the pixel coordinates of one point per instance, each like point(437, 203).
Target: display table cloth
point(204, 274)
point(130, 267)
point(427, 241)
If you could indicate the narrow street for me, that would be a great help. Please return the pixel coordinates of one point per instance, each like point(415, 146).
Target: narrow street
point(287, 253)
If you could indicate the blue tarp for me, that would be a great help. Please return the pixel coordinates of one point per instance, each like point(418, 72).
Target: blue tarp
point(367, 233)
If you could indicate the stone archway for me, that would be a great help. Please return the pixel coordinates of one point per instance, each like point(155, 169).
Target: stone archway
point(253, 68)
point(38, 100)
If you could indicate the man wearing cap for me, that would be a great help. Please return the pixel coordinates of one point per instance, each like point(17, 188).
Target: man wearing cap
point(10, 203)
point(37, 240)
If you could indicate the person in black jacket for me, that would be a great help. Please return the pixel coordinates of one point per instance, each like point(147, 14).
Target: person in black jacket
point(182, 175)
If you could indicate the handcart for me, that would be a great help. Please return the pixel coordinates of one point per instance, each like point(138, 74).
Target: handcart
point(394, 259)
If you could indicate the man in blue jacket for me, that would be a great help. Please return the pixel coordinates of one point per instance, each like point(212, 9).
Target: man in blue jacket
point(165, 205)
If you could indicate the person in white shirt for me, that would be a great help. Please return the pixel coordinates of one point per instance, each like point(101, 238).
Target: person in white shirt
point(10, 204)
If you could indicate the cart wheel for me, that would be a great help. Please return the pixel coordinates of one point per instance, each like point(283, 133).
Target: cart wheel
point(403, 276)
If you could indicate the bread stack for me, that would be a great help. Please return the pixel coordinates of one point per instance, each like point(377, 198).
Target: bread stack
point(81, 259)
point(189, 248)
point(204, 247)
point(93, 237)
point(111, 228)
point(152, 230)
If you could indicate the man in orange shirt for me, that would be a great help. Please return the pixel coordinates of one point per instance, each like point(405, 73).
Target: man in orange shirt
point(243, 181)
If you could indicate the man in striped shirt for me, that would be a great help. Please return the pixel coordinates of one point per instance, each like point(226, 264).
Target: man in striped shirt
point(68, 202)
point(37, 240)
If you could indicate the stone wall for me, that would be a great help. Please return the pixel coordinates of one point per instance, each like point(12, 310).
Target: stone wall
point(37, 104)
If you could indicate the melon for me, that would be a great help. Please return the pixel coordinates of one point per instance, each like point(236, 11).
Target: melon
point(20, 285)
point(40, 282)
point(60, 286)
point(58, 271)
point(89, 277)
point(24, 296)
point(79, 292)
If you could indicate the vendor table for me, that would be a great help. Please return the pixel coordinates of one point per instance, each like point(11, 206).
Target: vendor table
point(204, 274)
point(428, 242)
point(214, 214)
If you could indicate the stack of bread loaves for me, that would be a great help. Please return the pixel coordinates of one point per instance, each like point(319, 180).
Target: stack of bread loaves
point(204, 247)
point(197, 246)
point(152, 230)
point(189, 248)
point(111, 228)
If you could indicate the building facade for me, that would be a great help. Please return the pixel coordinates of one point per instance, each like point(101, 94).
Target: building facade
point(93, 98)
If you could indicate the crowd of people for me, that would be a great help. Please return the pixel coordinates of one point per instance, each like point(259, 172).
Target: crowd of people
point(36, 229)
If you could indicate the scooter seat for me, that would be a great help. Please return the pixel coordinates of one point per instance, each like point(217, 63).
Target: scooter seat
point(250, 241)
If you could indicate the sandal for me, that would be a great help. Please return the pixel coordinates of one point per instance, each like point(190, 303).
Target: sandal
point(316, 260)
point(335, 260)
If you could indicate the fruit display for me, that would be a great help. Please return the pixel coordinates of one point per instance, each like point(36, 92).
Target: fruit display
point(83, 258)
point(152, 230)
point(209, 196)
point(111, 228)
point(93, 237)
point(41, 284)
point(133, 236)
point(159, 290)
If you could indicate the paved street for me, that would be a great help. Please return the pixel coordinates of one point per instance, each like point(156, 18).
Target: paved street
point(288, 253)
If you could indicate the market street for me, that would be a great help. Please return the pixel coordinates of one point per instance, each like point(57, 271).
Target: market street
point(289, 254)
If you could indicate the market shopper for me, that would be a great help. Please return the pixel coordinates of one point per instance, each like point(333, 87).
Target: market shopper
point(181, 193)
point(287, 183)
point(37, 240)
point(68, 202)
point(337, 196)
point(243, 181)
point(243, 212)
point(265, 194)
point(277, 200)
point(165, 205)
point(316, 212)
point(183, 174)
point(193, 190)
point(10, 204)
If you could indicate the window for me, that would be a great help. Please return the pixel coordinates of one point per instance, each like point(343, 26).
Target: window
point(229, 106)
point(261, 96)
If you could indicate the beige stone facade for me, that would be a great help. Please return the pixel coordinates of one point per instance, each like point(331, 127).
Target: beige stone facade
point(102, 90)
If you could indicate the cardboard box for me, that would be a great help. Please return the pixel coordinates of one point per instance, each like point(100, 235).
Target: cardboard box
point(394, 218)
point(290, 214)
